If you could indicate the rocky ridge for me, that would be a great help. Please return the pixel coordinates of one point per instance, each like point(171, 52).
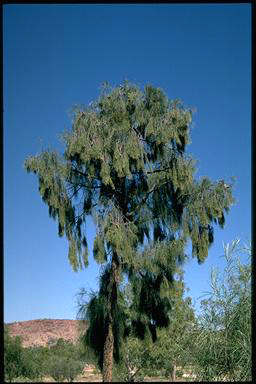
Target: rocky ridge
point(46, 332)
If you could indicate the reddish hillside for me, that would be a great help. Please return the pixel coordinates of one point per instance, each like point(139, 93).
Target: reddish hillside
point(46, 332)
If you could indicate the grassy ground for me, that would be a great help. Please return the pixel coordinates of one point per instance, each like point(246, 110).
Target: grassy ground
point(94, 377)
point(97, 378)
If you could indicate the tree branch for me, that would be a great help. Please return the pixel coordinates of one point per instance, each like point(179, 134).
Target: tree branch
point(135, 373)
point(145, 198)
point(83, 213)
point(83, 174)
point(159, 170)
point(80, 186)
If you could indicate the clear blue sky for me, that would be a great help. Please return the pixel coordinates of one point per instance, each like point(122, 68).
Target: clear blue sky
point(56, 56)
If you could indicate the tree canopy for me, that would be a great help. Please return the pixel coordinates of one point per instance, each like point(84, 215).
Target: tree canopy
point(125, 163)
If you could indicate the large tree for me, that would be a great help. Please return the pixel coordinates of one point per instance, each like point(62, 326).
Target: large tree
point(125, 163)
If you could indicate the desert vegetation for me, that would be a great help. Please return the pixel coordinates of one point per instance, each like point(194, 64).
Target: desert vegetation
point(63, 361)
point(213, 346)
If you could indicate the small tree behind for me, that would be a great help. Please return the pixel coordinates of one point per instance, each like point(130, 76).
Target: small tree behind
point(144, 357)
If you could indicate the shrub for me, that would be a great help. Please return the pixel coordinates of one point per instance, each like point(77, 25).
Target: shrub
point(13, 362)
point(56, 368)
point(223, 344)
point(63, 368)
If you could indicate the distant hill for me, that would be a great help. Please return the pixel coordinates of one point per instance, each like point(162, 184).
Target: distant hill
point(45, 332)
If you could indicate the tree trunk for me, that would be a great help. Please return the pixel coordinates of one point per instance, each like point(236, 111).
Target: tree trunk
point(173, 373)
point(108, 355)
point(109, 342)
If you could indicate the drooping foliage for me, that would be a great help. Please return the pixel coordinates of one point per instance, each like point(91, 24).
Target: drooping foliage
point(125, 163)
point(126, 155)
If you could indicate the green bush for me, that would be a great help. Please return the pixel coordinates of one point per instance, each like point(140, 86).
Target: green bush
point(32, 363)
point(56, 368)
point(63, 368)
point(223, 345)
point(13, 361)
point(72, 369)
point(63, 360)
